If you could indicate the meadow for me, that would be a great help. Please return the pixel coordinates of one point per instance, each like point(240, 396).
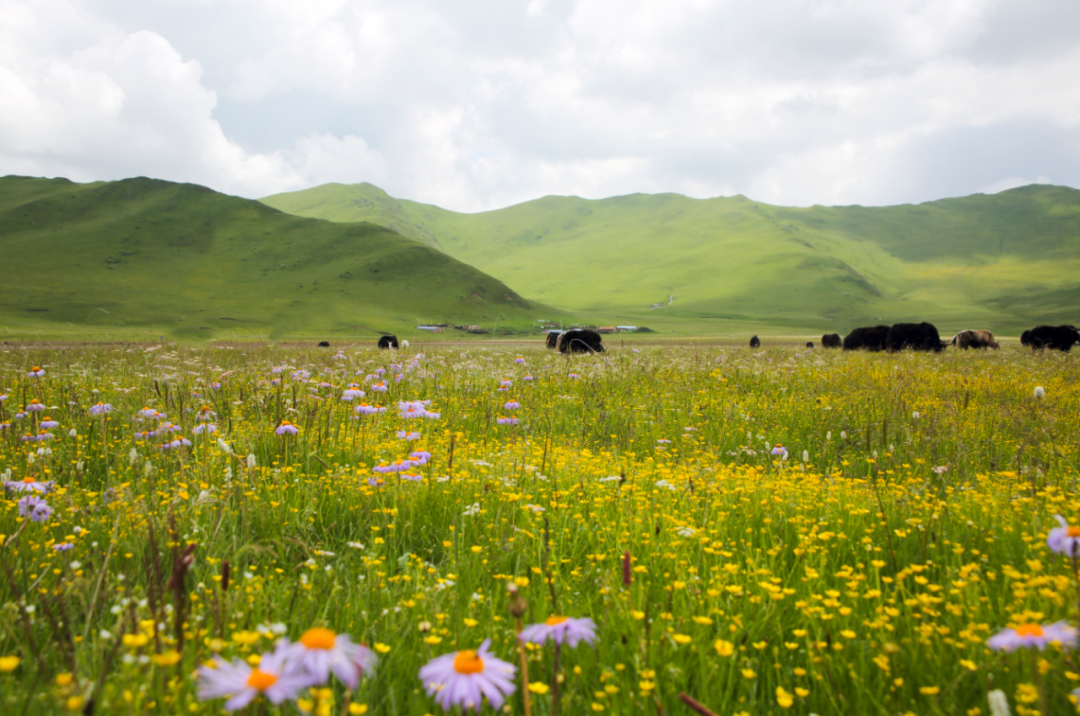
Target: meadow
point(784, 531)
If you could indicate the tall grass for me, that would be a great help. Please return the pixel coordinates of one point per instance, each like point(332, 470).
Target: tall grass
point(862, 573)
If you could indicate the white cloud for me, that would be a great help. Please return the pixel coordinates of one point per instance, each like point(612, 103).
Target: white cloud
point(481, 103)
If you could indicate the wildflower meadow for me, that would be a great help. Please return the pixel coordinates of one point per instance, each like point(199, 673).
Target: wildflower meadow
point(657, 530)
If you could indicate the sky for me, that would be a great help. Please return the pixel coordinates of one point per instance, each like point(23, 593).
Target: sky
point(479, 104)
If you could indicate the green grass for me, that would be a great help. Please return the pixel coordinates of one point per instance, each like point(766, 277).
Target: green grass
point(1004, 262)
point(140, 257)
point(862, 575)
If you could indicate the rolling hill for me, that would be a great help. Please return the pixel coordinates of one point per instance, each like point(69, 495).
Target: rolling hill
point(1005, 261)
point(142, 256)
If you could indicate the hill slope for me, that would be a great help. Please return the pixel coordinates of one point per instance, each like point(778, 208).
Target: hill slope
point(184, 259)
point(1004, 261)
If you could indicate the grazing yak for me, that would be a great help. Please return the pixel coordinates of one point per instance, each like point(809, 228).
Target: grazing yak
point(755, 343)
point(871, 338)
point(553, 339)
point(831, 340)
point(580, 340)
point(324, 344)
point(388, 342)
point(974, 339)
point(1060, 338)
point(809, 344)
point(917, 336)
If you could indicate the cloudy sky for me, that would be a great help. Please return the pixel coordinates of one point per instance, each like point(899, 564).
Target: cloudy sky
point(478, 104)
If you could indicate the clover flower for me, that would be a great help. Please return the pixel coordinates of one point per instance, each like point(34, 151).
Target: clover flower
point(275, 678)
point(561, 630)
point(320, 651)
point(464, 678)
point(35, 508)
point(286, 428)
point(1040, 392)
point(1065, 539)
point(1033, 635)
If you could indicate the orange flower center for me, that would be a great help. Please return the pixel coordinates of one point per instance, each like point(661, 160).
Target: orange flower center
point(467, 662)
point(1029, 630)
point(1073, 532)
point(29, 480)
point(318, 638)
point(285, 422)
point(37, 368)
point(260, 680)
point(555, 620)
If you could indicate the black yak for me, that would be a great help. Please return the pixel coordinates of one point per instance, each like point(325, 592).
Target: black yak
point(974, 339)
point(755, 343)
point(324, 344)
point(388, 342)
point(1025, 338)
point(809, 344)
point(1060, 338)
point(553, 339)
point(871, 338)
point(831, 340)
point(916, 336)
point(579, 340)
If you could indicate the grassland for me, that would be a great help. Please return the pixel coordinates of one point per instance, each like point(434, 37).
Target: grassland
point(769, 533)
point(139, 258)
point(1004, 262)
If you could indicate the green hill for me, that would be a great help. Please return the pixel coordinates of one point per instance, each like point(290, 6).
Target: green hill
point(145, 256)
point(1005, 261)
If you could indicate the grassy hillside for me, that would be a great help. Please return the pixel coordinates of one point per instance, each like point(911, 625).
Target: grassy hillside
point(1005, 261)
point(142, 256)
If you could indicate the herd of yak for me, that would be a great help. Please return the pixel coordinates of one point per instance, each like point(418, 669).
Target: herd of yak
point(924, 337)
point(916, 336)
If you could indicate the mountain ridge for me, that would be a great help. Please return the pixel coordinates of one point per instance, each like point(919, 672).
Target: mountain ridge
point(998, 259)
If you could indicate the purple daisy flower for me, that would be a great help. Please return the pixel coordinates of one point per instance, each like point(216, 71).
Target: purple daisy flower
point(528, 377)
point(1065, 539)
point(519, 360)
point(464, 678)
point(63, 546)
point(37, 372)
point(376, 481)
point(574, 375)
point(179, 442)
point(780, 451)
point(507, 421)
point(35, 508)
point(511, 405)
point(1033, 635)
point(407, 435)
point(561, 630)
point(286, 428)
point(412, 409)
point(34, 406)
point(380, 387)
point(30, 484)
point(208, 428)
point(411, 476)
point(321, 651)
point(100, 409)
point(420, 457)
point(275, 678)
point(47, 422)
